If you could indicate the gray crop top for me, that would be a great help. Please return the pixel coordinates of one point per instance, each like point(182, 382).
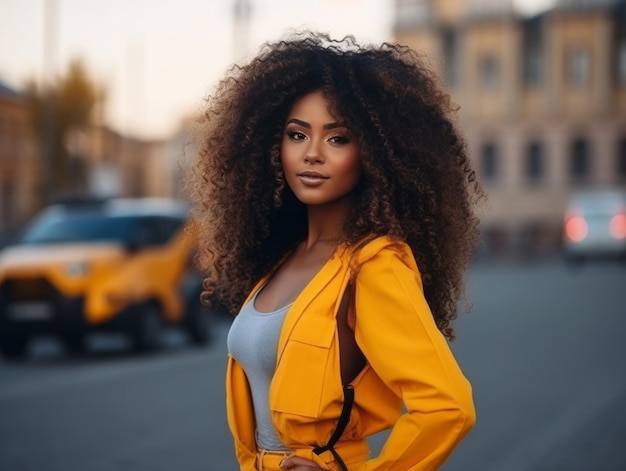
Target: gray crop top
point(253, 342)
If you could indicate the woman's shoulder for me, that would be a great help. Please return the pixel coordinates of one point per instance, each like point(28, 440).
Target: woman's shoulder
point(383, 248)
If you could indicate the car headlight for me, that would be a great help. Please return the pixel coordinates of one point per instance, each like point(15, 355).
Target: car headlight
point(77, 268)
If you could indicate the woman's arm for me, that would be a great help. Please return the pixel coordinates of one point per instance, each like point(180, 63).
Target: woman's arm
point(398, 335)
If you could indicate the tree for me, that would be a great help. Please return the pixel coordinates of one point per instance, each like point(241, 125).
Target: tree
point(61, 110)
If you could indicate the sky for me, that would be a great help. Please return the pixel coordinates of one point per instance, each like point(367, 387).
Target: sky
point(158, 59)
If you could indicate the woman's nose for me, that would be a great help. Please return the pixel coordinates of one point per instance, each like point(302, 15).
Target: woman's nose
point(312, 153)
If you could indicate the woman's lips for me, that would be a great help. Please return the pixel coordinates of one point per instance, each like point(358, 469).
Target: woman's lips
point(309, 178)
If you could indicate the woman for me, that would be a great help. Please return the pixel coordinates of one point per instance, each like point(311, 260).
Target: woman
point(335, 202)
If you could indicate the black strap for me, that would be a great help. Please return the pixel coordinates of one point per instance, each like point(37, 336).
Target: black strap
point(342, 423)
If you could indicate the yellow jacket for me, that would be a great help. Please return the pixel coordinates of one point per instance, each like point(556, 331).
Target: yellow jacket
point(408, 363)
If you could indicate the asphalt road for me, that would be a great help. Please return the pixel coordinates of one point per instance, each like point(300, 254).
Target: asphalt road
point(543, 346)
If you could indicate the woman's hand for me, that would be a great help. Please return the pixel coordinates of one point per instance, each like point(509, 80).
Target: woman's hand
point(296, 463)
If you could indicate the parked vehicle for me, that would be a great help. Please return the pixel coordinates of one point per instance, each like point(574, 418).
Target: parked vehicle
point(595, 225)
point(122, 265)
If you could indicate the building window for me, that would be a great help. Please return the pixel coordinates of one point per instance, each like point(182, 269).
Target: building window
point(578, 66)
point(534, 69)
point(489, 72)
point(534, 162)
point(580, 164)
point(12, 142)
point(619, 57)
point(489, 164)
point(621, 63)
point(621, 160)
point(450, 53)
point(2, 139)
point(7, 204)
point(533, 55)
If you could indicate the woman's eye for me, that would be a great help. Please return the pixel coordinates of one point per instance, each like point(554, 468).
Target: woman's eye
point(339, 140)
point(296, 135)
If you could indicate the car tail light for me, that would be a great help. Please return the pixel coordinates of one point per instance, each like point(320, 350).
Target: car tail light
point(576, 227)
point(617, 226)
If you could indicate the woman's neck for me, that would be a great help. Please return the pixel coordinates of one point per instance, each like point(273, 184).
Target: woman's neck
point(325, 224)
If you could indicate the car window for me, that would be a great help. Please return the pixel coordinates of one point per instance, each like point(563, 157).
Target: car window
point(156, 230)
point(80, 227)
point(599, 203)
point(171, 226)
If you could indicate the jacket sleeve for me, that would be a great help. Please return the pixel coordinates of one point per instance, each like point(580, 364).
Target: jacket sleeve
point(241, 417)
point(397, 333)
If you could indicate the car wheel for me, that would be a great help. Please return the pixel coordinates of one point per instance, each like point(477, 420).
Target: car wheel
point(74, 344)
point(198, 324)
point(13, 347)
point(147, 330)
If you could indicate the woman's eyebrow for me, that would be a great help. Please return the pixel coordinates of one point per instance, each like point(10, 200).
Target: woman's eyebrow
point(304, 124)
point(333, 126)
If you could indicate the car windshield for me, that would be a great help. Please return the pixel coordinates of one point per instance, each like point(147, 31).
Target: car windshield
point(80, 227)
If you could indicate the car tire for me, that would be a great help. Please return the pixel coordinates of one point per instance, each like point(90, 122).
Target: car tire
point(74, 344)
point(147, 329)
point(198, 324)
point(14, 347)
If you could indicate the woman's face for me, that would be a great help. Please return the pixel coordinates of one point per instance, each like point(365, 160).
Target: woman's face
point(320, 156)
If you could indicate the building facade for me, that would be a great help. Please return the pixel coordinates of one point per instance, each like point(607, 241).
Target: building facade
point(542, 102)
point(114, 165)
point(120, 165)
point(20, 172)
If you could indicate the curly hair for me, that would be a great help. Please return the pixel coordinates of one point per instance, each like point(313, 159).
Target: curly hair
point(417, 184)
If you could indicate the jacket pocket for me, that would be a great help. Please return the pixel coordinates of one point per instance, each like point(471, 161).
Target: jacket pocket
point(298, 383)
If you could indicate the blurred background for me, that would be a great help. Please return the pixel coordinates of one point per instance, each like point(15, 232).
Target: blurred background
point(97, 99)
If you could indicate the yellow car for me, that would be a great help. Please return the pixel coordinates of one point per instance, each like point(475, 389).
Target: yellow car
point(120, 265)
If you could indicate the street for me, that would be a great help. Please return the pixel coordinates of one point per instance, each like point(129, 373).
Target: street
point(543, 347)
point(544, 350)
